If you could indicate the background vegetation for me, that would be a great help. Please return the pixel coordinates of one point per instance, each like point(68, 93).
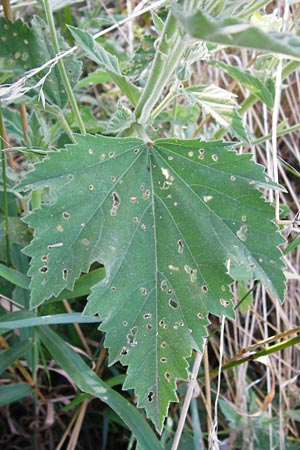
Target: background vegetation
point(57, 389)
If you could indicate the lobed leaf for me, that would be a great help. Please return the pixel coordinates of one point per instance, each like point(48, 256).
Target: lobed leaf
point(264, 91)
point(107, 61)
point(28, 48)
point(221, 105)
point(168, 220)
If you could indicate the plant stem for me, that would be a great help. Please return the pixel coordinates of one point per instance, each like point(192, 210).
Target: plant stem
point(187, 400)
point(3, 163)
point(61, 67)
point(170, 50)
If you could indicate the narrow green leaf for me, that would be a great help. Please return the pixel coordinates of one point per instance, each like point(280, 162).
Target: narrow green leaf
point(292, 245)
point(221, 105)
point(89, 382)
point(233, 32)
point(259, 88)
point(9, 356)
point(13, 392)
point(53, 319)
point(107, 61)
point(167, 219)
point(14, 277)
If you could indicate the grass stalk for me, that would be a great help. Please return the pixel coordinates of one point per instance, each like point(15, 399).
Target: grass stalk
point(62, 69)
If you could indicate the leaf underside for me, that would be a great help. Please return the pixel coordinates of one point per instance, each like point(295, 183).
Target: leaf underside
point(166, 219)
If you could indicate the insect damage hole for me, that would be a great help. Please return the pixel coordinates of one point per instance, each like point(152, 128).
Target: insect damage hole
point(180, 246)
point(66, 215)
point(43, 269)
point(124, 351)
point(65, 274)
point(173, 303)
point(150, 396)
point(168, 376)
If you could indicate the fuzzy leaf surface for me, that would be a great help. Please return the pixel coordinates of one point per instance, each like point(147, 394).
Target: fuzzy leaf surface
point(237, 33)
point(166, 219)
point(221, 105)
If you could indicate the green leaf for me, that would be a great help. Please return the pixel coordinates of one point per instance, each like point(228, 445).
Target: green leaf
point(121, 120)
point(97, 77)
point(260, 89)
point(9, 356)
point(107, 61)
point(14, 392)
point(13, 276)
point(166, 219)
point(28, 48)
point(89, 382)
point(53, 319)
point(236, 33)
point(221, 105)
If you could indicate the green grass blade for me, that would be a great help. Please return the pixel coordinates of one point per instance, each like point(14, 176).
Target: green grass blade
point(55, 319)
point(14, 277)
point(13, 353)
point(13, 392)
point(89, 382)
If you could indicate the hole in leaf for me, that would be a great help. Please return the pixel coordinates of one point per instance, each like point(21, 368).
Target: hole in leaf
point(201, 152)
point(124, 351)
point(43, 269)
point(149, 326)
point(224, 302)
point(232, 178)
point(191, 154)
point(91, 187)
point(147, 316)
point(163, 344)
point(44, 258)
point(204, 288)
point(191, 272)
point(150, 396)
point(136, 150)
point(168, 376)
point(125, 323)
point(164, 285)
point(173, 303)
point(111, 154)
point(200, 316)
point(66, 215)
point(180, 245)
point(65, 274)
point(214, 157)
point(161, 322)
point(102, 156)
point(70, 177)
point(163, 360)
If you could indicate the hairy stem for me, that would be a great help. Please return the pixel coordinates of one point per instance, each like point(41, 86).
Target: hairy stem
point(169, 52)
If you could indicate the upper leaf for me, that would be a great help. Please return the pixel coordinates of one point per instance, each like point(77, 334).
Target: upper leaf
point(167, 219)
point(106, 60)
point(236, 33)
point(221, 105)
